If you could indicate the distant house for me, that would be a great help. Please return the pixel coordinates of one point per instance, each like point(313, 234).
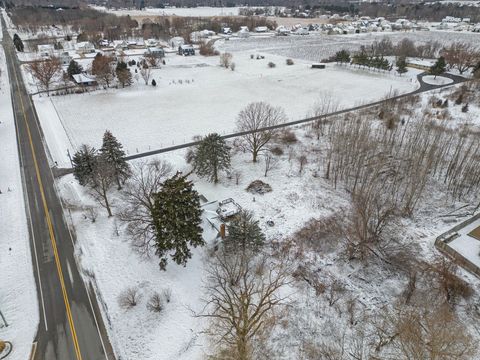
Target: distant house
point(84, 47)
point(103, 43)
point(243, 33)
point(156, 52)
point(119, 44)
point(227, 31)
point(176, 41)
point(65, 58)
point(84, 80)
point(186, 50)
point(46, 50)
point(261, 29)
point(151, 43)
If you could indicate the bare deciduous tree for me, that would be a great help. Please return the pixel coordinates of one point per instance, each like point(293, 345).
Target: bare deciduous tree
point(45, 71)
point(145, 72)
point(101, 181)
point(256, 120)
point(147, 179)
point(243, 293)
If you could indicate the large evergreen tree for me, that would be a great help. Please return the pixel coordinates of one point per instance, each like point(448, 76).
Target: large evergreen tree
point(84, 164)
point(18, 43)
point(177, 219)
point(113, 152)
point(74, 68)
point(244, 233)
point(211, 156)
point(401, 65)
point(439, 67)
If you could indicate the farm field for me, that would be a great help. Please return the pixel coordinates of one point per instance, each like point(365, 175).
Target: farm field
point(196, 96)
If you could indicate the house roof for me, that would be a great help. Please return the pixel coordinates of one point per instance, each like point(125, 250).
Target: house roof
point(83, 78)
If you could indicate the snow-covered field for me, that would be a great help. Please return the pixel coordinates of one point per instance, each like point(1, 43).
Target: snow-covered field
point(195, 96)
point(196, 11)
point(316, 47)
point(18, 297)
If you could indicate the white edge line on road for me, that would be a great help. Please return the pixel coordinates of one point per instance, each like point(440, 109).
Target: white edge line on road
point(27, 202)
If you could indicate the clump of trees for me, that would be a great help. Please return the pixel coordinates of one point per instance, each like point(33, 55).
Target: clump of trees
point(102, 68)
point(99, 170)
point(123, 73)
point(460, 56)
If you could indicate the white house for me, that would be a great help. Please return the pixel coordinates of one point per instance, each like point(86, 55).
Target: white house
point(176, 42)
point(84, 47)
point(46, 50)
point(261, 29)
point(65, 58)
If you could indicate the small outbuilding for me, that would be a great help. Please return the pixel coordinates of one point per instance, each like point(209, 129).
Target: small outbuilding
point(186, 50)
point(84, 79)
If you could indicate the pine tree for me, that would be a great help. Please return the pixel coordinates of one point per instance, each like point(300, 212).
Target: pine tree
point(124, 75)
point(74, 68)
point(18, 43)
point(439, 67)
point(342, 56)
point(401, 65)
point(84, 164)
point(244, 233)
point(211, 156)
point(112, 151)
point(177, 218)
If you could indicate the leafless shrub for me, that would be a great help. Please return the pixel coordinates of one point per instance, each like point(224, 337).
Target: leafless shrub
point(91, 213)
point(129, 298)
point(276, 150)
point(233, 66)
point(271, 65)
point(226, 60)
point(290, 62)
point(167, 294)
point(288, 137)
point(156, 303)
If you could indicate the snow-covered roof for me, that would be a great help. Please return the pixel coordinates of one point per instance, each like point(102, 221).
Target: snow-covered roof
point(83, 78)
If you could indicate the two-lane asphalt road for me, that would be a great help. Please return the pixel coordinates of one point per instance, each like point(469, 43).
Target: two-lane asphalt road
point(71, 326)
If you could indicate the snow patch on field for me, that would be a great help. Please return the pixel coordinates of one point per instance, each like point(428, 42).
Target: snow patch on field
point(439, 80)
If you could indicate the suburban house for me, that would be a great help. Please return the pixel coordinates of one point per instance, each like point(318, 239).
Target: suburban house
point(119, 44)
point(156, 52)
point(84, 79)
point(46, 50)
point(151, 43)
point(176, 42)
point(65, 58)
point(84, 47)
point(261, 29)
point(186, 50)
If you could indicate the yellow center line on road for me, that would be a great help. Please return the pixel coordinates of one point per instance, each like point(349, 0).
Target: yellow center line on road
point(50, 226)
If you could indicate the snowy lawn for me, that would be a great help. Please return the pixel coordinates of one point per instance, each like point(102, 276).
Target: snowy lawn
point(18, 296)
point(438, 80)
point(466, 245)
point(195, 96)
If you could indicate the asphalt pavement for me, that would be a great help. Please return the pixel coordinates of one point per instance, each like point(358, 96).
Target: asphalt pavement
point(71, 326)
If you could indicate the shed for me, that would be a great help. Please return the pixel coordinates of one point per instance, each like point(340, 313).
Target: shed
point(318, 66)
point(186, 50)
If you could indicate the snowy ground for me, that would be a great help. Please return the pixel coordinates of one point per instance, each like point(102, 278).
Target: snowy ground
point(18, 297)
point(437, 80)
point(197, 11)
point(316, 46)
point(195, 96)
point(466, 245)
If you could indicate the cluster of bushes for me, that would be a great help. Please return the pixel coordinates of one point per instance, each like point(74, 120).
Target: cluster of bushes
point(131, 297)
